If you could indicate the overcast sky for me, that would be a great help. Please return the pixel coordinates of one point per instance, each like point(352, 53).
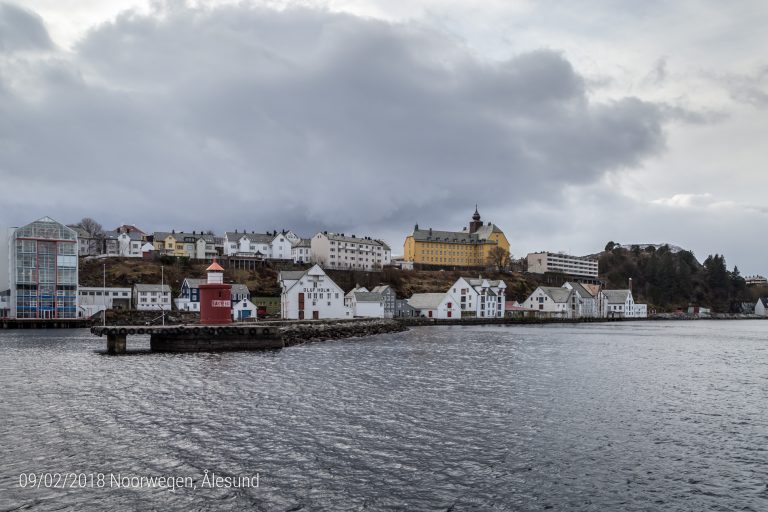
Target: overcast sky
point(569, 123)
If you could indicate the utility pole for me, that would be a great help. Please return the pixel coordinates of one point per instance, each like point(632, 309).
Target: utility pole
point(104, 295)
point(162, 286)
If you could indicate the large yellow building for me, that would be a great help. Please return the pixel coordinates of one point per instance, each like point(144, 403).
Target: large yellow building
point(470, 247)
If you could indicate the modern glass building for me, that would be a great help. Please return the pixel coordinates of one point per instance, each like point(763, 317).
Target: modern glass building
point(43, 270)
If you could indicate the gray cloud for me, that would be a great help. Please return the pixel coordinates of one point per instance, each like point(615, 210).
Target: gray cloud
point(21, 30)
point(244, 117)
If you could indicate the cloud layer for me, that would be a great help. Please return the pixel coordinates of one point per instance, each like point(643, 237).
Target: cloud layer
point(246, 117)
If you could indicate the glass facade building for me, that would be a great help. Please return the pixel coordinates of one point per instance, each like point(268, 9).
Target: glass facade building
point(43, 270)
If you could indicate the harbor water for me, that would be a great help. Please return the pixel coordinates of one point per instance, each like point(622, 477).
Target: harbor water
point(630, 416)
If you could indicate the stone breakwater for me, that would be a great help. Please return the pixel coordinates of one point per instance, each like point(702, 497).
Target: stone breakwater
point(298, 333)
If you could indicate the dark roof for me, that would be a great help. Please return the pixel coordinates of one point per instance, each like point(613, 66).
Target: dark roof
point(578, 288)
point(152, 288)
point(181, 236)
point(616, 296)
point(259, 238)
point(368, 297)
point(449, 237)
point(291, 275)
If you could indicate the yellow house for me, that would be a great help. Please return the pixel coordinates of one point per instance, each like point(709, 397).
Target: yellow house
point(470, 247)
point(190, 245)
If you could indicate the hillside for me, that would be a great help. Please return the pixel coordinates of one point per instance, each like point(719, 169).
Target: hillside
point(668, 279)
point(263, 280)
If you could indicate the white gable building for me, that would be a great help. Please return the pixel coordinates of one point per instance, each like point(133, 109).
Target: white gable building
point(368, 304)
point(586, 302)
point(552, 302)
point(435, 305)
point(479, 297)
point(618, 304)
point(311, 294)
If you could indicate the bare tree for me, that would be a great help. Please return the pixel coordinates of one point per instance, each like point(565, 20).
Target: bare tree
point(96, 232)
point(498, 258)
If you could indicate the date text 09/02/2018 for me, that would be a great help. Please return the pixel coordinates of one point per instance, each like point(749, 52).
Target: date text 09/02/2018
point(119, 480)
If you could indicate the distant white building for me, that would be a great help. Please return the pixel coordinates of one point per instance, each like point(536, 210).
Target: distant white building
point(243, 310)
point(641, 310)
point(481, 298)
point(94, 299)
point(268, 246)
point(552, 302)
point(756, 280)
point(618, 304)
point(435, 305)
point(125, 245)
point(332, 250)
point(761, 306)
point(152, 297)
point(311, 294)
point(368, 304)
point(390, 299)
point(301, 251)
point(351, 293)
point(543, 262)
point(585, 300)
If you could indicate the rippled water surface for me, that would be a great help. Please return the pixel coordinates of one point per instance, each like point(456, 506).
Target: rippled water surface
point(609, 417)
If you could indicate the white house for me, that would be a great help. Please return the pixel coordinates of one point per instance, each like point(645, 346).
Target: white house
point(368, 304)
point(552, 302)
point(761, 306)
point(390, 299)
point(618, 304)
point(310, 294)
point(247, 244)
point(243, 310)
point(152, 297)
point(641, 310)
point(586, 302)
point(435, 305)
point(93, 299)
point(332, 250)
point(479, 297)
point(273, 246)
point(351, 293)
point(301, 251)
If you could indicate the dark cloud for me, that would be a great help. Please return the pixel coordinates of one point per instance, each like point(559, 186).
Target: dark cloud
point(21, 30)
point(252, 118)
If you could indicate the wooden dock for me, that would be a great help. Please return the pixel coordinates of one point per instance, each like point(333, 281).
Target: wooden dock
point(194, 338)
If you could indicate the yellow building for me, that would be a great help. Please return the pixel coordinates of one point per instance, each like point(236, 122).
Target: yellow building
point(189, 245)
point(470, 247)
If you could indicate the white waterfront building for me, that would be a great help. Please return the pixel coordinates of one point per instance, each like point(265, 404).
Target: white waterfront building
point(585, 300)
point(552, 302)
point(435, 305)
point(618, 304)
point(368, 304)
point(311, 294)
point(543, 262)
point(339, 251)
point(152, 297)
point(481, 298)
point(94, 299)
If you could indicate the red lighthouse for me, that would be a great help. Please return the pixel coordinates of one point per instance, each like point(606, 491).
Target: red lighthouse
point(215, 298)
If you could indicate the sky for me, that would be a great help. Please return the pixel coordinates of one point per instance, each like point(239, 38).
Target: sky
point(569, 124)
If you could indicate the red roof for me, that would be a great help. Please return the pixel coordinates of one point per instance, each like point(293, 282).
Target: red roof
point(215, 267)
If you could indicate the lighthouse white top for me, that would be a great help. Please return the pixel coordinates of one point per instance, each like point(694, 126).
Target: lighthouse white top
point(215, 274)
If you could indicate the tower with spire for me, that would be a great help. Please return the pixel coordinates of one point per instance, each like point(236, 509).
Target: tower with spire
point(476, 223)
